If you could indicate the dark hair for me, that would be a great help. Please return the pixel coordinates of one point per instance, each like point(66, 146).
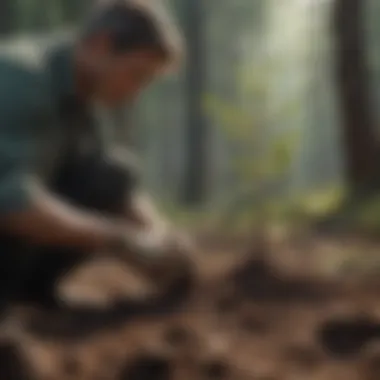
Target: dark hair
point(130, 28)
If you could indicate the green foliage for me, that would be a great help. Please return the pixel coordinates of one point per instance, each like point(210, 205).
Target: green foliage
point(235, 123)
point(368, 214)
point(321, 202)
point(253, 161)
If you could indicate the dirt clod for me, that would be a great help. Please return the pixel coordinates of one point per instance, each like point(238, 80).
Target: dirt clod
point(215, 370)
point(147, 367)
point(12, 364)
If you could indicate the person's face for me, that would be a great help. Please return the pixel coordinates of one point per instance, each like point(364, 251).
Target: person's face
point(120, 77)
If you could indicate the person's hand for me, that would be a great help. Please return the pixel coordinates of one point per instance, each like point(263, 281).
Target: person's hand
point(164, 258)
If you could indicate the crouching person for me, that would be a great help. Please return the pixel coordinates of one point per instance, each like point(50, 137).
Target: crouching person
point(62, 196)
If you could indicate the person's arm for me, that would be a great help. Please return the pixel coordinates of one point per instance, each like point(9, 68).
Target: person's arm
point(141, 209)
point(27, 209)
point(45, 219)
point(173, 255)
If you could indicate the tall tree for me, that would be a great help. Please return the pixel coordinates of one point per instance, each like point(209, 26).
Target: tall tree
point(195, 135)
point(352, 74)
point(6, 16)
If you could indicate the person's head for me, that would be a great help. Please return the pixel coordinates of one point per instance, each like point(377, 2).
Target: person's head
point(124, 47)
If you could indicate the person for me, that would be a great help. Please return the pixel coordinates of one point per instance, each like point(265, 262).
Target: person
point(63, 194)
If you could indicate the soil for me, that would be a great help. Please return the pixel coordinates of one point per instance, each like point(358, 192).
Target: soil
point(245, 317)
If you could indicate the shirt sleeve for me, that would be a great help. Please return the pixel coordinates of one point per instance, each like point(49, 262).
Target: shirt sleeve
point(18, 149)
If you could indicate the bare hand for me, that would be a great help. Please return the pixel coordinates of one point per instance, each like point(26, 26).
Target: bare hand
point(165, 258)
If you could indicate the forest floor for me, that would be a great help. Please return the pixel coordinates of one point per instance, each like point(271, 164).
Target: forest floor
point(256, 312)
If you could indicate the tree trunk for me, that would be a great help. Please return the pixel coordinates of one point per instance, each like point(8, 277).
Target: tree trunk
point(6, 17)
point(195, 136)
point(352, 76)
point(73, 10)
